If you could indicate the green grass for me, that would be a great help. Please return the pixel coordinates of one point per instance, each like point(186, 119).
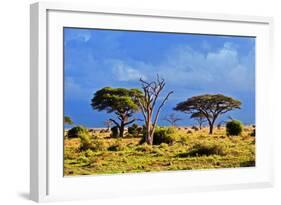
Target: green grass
point(189, 151)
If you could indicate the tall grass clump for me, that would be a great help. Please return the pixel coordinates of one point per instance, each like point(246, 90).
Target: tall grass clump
point(85, 141)
point(234, 128)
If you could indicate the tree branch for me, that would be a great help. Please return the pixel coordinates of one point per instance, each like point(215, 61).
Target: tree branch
point(116, 123)
point(159, 108)
point(129, 122)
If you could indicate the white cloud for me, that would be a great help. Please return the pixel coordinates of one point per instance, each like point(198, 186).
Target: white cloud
point(124, 72)
point(220, 69)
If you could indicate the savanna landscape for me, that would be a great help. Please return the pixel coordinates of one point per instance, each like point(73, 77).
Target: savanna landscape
point(123, 118)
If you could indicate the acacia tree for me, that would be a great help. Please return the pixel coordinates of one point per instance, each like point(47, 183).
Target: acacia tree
point(211, 106)
point(199, 117)
point(67, 120)
point(172, 119)
point(147, 104)
point(120, 101)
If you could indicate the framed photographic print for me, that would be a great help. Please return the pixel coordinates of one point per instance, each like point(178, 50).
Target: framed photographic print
point(127, 102)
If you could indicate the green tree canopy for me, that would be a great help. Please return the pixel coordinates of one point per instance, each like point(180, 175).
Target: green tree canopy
point(120, 101)
point(211, 106)
point(67, 120)
point(199, 117)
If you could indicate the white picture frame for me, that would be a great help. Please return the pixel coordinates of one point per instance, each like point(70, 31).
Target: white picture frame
point(47, 182)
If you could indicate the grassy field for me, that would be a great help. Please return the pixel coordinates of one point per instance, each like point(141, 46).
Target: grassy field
point(191, 149)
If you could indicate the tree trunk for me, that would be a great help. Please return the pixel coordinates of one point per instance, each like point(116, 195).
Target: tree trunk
point(149, 135)
point(121, 129)
point(211, 129)
point(211, 125)
point(149, 140)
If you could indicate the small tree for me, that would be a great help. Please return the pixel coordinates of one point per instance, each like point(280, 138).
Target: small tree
point(147, 104)
point(172, 119)
point(67, 120)
point(120, 101)
point(199, 117)
point(211, 106)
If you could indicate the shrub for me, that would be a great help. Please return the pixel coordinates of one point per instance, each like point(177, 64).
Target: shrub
point(114, 132)
point(189, 132)
point(204, 150)
point(253, 133)
point(77, 132)
point(133, 130)
point(195, 128)
point(139, 130)
point(163, 135)
point(103, 131)
point(234, 127)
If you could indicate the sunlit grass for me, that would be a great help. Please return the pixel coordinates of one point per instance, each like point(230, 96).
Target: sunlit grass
point(191, 150)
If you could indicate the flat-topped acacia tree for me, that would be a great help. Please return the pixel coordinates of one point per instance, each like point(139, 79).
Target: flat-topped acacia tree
point(211, 106)
point(199, 117)
point(172, 119)
point(120, 101)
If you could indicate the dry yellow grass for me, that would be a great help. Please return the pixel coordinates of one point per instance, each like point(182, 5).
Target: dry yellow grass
point(190, 150)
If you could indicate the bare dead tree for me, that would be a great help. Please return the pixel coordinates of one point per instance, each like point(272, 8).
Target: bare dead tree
point(147, 104)
point(172, 119)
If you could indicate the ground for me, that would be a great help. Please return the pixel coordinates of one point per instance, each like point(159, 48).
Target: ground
point(191, 149)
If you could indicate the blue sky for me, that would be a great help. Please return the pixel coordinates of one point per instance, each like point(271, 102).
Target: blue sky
point(190, 64)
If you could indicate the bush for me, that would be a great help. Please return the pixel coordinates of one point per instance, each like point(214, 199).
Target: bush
point(195, 128)
point(103, 131)
point(253, 133)
point(163, 135)
point(234, 128)
point(189, 132)
point(114, 132)
point(133, 130)
point(204, 150)
point(77, 132)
